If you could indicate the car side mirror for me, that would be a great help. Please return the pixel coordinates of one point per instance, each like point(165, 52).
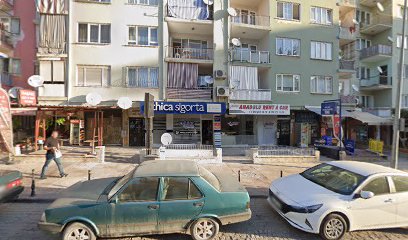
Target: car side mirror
point(366, 194)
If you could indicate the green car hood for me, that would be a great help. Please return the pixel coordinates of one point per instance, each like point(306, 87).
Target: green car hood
point(228, 183)
point(89, 190)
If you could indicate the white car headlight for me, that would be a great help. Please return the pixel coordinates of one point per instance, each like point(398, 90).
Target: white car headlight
point(308, 209)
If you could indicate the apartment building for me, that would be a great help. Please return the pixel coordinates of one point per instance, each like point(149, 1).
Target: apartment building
point(224, 72)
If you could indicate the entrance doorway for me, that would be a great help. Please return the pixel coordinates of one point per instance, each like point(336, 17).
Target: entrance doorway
point(136, 132)
point(207, 137)
point(284, 132)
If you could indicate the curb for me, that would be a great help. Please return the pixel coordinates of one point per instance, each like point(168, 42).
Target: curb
point(33, 200)
point(258, 196)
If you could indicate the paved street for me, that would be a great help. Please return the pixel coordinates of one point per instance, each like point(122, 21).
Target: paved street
point(18, 220)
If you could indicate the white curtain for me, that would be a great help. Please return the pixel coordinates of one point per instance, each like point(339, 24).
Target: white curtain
point(244, 78)
point(188, 9)
point(52, 34)
point(52, 6)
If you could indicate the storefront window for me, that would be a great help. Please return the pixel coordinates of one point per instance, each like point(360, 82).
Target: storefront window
point(238, 130)
point(187, 130)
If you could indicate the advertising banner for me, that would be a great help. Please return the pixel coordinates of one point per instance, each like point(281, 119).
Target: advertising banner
point(6, 128)
point(259, 109)
point(27, 97)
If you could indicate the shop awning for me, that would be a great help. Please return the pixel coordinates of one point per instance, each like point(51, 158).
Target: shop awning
point(23, 111)
point(363, 117)
point(318, 110)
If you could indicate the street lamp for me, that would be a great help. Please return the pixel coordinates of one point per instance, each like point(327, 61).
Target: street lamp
point(398, 96)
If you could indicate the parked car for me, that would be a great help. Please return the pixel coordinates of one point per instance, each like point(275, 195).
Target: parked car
point(10, 185)
point(157, 197)
point(333, 198)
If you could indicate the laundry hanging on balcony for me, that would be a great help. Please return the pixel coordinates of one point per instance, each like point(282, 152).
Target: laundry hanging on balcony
point(245, 78)
point(188, 9)
point(52, 34)
point(182, 75)
point(52, 6)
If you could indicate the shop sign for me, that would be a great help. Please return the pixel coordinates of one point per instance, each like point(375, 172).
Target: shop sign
point(329, 108)
point(187, 108)
point(217, 131)
point(259, 109)
point(27, 97)
point(350, 146)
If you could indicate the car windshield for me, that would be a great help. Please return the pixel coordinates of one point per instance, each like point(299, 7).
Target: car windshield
point(334, 178)
point(120, 182)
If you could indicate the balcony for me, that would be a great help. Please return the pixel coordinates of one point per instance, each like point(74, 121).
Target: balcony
point(200, 93)
point(347, 3)
point(379, 23)
point(250, 26)
point(251, 95)
point(52, 92)
point(189, 55)
point(347, 35)
point(376, 84)
point(371, 3)
point(346, 68)
point(348, 100)
point(6, 42)
point(6, 5)
point(376, 53)
point(250, 56)
point(189, 20)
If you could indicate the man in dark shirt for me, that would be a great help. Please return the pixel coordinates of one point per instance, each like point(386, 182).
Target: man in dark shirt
point(52, 145)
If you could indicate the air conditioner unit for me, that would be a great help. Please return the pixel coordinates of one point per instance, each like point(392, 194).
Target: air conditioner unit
point(220, 74)
point(222, 91)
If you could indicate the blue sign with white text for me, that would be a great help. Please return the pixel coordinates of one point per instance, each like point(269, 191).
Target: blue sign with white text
point(350, 146)
point(187, 108)
point(329, 108)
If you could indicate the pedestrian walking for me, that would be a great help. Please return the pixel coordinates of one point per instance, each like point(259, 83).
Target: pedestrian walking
point(53, 153)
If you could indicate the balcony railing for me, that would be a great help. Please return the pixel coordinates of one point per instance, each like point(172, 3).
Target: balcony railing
point(348, 99)
point(251, 95)
point(348, 33)
point(378, 81)
point(190, 53)
point(379, 19)
point(347, 2)
point(377, 50)
point(347, 65)
point(190, 13)
point(202, 93)
point(250, 56)
point(6, 39)
point(252, 20)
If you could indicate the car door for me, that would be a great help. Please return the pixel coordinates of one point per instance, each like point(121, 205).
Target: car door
point(377, 212)
point(400, 188)
point(180, 202)
point(134, 209)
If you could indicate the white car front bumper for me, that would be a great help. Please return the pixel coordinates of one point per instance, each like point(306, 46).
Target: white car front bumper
point(308, 222)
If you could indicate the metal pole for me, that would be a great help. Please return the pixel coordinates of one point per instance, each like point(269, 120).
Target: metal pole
point(340, 123)
point(398, 96)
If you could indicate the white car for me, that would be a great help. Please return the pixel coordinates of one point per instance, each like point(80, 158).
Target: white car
point(335, 197)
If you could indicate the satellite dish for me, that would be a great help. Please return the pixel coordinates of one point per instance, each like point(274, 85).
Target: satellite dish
point(13, 92)
point(125, 103)
point(390, 39)
point(232, 12)
point(236, 42)
point(355, 88)
point(209, 2)
point(355, 21)
point(380, 69)
point(380, 7)
point(93, 99)
point(35, 81)
point(166, 139)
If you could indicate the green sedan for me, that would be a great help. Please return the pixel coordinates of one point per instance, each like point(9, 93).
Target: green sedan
point(157, 197)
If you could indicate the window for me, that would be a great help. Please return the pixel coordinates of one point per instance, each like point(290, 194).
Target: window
point(321, 50)
point(98, 76)
point(210, 178)
point(287, 83)
point(321, 84)
point(321, 15)
point(288, 11)
point(142, 189)
point(11, 25)
point(99, 1)
point(401, 11)
point(53, 71)
point(400, 183)
point(287, 47)
point(142, 77)
point(405, 101)
point(179, 188)
point(378, 186)
point(366, 101)
point(363, 73)
point(143, 36)
point(362, 43)
point(94, 33)
point(364, 18)
point(399, 42)
point(14, 66)
point(144, 2)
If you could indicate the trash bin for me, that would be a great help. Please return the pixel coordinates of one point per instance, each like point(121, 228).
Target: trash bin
point(100, 153)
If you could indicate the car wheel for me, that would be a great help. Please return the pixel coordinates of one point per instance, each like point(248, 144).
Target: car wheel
point(204, 229)
point(333, 227)
point(78, 231)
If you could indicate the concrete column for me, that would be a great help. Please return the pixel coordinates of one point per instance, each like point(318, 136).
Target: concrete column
point(378, 130)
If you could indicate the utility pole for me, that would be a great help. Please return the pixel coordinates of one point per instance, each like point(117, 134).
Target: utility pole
point(398, 96)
